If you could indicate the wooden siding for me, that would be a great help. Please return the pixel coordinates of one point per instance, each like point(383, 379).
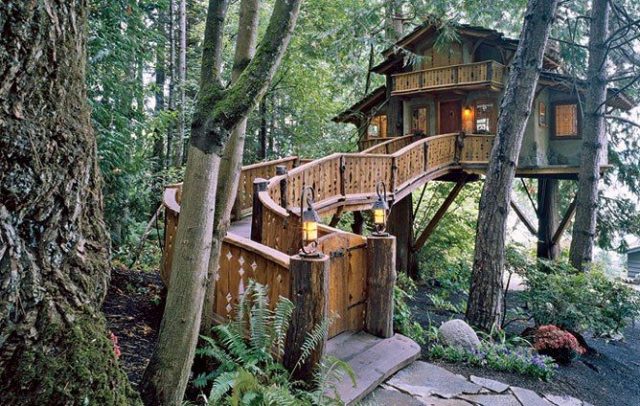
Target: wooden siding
point(633, 264)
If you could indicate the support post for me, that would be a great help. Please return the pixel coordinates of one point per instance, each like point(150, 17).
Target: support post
point(282, 170)
point(523, 217)
point(381, 279)
point(259, 185)
point(358, 222)
point(399, 224)
point(309, 289)
point(547, 218)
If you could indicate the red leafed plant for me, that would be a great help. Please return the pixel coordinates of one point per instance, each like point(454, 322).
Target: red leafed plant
point(557, 343)
point(116, 346)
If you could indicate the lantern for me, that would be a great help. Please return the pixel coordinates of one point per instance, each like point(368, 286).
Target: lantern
point(380, 209)
point(310, 220)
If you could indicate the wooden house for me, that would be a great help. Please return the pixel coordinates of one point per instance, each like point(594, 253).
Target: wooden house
point(438, 87)
point(633, 262)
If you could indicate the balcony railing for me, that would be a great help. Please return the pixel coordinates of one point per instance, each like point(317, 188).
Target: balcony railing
point(489, 73)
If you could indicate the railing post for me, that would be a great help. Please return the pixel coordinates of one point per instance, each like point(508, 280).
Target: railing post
point(459, 145)
point(282, 170)
point(489, 71)
point(394, 170)
point(309, 288)
point(343, 168)
point(426, 156)
point(381, 279)
point(259, 185)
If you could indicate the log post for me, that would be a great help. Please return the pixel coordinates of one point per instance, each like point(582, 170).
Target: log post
point(309, 289)
point(381, 279)
point(282, 170)
point(259, 185)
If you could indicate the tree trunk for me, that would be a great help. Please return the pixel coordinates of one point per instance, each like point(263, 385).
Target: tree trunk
point(547, 218)
point(262, 153)
point(172, 82)
point(231, 166)
point(594, 139)
point(400, 225)
point(393, 20)
point(54, 269)
point(182, 79)
point(485, 297)
point(217, 112)
point(158, 142)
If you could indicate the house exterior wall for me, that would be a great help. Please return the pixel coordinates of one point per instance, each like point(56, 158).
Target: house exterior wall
point(633, 264)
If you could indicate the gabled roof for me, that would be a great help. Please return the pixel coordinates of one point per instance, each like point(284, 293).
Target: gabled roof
point(394, 55)
point(354, 114)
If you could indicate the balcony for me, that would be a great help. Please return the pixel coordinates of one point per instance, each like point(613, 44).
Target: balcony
point(478, 75)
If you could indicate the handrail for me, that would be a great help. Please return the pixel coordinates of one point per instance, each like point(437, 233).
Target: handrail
point(449, 67)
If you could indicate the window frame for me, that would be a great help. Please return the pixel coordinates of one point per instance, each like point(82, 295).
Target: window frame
point(416, 107)
point(493, 119)
point(552, 120)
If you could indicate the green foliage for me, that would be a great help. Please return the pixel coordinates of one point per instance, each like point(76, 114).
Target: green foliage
point(560, 295)
point(403, 321)
point(247, 352)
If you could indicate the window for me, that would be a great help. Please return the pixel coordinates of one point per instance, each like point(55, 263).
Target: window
point(566, 120)
point(542, 114)
point(420, 120)
point(486, 117)
point(378, 127)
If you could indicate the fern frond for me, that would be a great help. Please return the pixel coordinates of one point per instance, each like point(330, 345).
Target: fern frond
point(244, 382)
point(221, 385)
point(259, 319)
point(214, 351)
point(233, 341)
point(314, 338)
point(281, 320)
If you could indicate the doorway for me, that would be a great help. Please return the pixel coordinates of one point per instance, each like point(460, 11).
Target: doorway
point(450, 117)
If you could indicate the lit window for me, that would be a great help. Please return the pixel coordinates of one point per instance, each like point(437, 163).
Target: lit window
point(566, 120)
point(485, 117)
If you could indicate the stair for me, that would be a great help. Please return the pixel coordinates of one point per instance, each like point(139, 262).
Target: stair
point(372, 359)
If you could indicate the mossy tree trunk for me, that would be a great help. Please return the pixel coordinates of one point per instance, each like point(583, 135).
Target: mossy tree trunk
point(594, 139)
point(218, 112)
point(484, 308)
point(54, 345)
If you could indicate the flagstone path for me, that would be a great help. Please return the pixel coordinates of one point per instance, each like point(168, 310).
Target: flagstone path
point(422, 383)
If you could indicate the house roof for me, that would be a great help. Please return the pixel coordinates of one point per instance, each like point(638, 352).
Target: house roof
point(354, 113)
point(395, 58)
point(633, 250)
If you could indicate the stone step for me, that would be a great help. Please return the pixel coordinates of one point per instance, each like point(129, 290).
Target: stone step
point(372, 359)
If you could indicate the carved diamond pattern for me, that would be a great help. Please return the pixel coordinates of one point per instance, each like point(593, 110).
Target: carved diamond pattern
point(241, 288)
point(229, 307)
point(241, 260)
point(241, 271)
point(279, 278)
point(229, 256)
point(254, 266)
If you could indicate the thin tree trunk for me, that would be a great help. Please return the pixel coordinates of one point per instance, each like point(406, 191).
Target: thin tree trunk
point(172, 82)
point(232, 160)
point(262, 153)
point(218, 111)
point(594, 139)
point(54, 256)
point(158, 143)
point(485, 297)
point(182, 78)
point(547, 218)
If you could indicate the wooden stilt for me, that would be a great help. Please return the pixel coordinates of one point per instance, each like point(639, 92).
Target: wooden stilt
point(426, 233)
point(309, 288)
point(259, 185)
point(358, 222)
point(381, 279)
point(547, 218)
point(571, 210)
point(399, 224)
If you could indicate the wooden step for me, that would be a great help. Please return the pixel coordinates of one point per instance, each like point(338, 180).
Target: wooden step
point(372, 359)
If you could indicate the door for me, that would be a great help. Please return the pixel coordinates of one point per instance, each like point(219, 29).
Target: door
point(450, 117)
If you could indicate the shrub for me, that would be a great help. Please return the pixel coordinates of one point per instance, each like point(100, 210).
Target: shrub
point(403, 321)
point(248, 350)
point(560, 295)
point(499, 357)
point(557, 343)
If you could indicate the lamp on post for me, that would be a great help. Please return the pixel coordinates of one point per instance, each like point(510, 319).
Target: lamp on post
point(380, 209)
point(310, 220)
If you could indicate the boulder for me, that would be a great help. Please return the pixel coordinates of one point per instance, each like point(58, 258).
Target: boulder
point(457, 333)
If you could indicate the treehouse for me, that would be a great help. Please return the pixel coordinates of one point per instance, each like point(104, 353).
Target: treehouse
point(434, 120)
point(435, 86)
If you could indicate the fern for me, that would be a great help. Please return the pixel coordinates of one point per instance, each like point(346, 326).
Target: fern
point(247, 348)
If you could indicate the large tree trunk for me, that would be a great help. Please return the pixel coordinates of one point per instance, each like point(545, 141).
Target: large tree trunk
point(54, 270)
point(172, 82)
point(231, 165)
point(218, 111)
point(485, 297)
point(594, 139)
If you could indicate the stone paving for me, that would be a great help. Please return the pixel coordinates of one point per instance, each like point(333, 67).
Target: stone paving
point(422, 383)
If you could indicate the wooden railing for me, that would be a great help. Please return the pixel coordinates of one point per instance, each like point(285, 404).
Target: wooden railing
point(478, 73)
point(341, 182)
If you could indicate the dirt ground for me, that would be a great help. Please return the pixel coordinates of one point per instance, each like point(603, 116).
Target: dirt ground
point(133, 308)
point(608, 377)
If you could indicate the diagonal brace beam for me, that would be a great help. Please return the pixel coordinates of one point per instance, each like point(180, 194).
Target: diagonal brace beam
point(523, 218)
point(571, 210)
point(426, 233)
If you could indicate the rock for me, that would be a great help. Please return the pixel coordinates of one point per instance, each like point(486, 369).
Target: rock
point(528, 397)
point(457, 333)
point(423, 380)
point(494, 386)
point(492, 400)
point(563, 400)
point(390, 397)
